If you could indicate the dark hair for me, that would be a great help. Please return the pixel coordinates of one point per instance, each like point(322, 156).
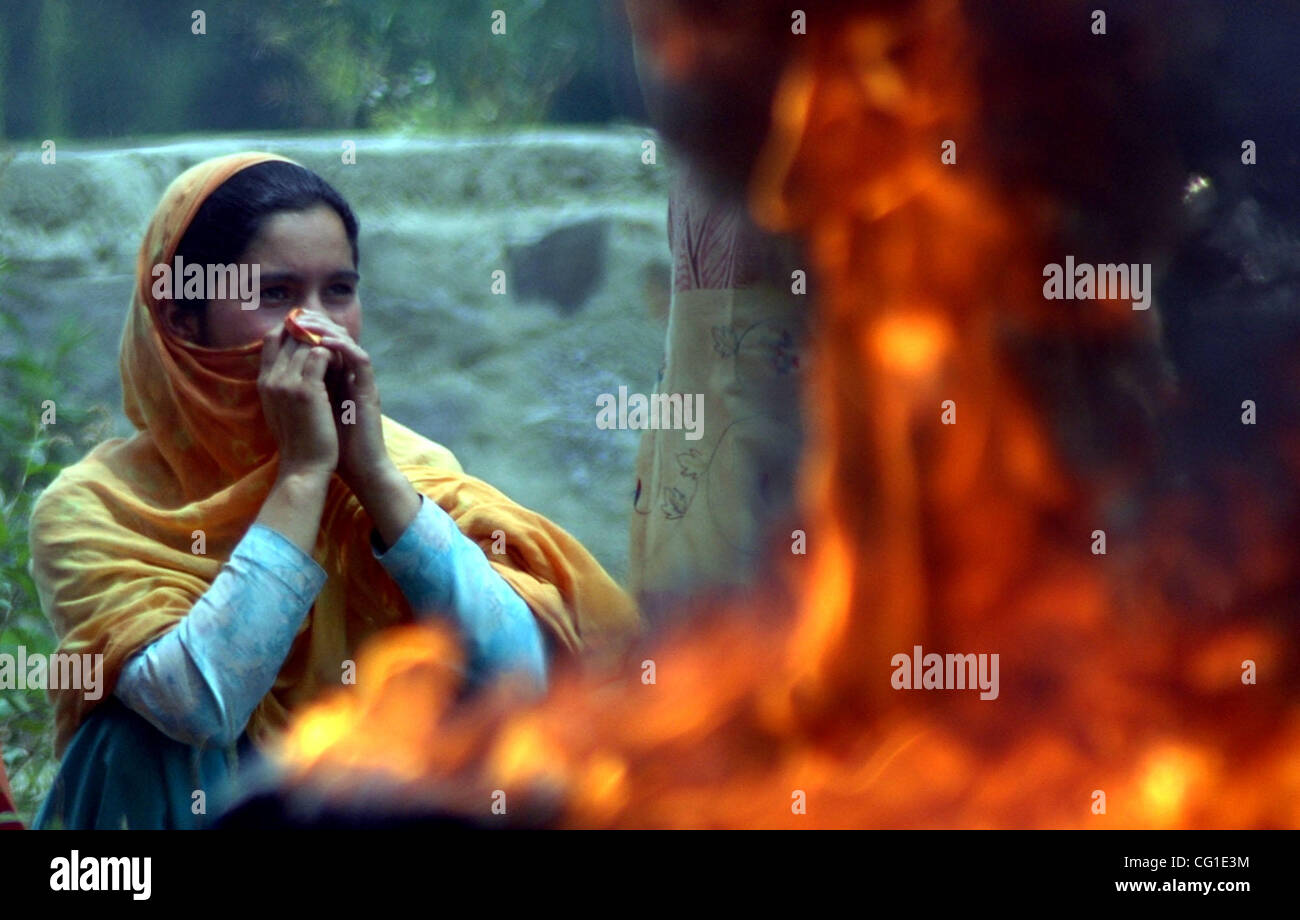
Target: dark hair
point(232, 215)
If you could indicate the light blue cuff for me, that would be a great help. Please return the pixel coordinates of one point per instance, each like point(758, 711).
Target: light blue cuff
point(443, 572)
point(276, 554)
point(419, 561)
point(201, 681)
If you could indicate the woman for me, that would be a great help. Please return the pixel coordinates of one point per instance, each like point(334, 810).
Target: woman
point(228, 559)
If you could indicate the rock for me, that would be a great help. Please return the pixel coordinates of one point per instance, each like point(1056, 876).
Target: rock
point(564, 267)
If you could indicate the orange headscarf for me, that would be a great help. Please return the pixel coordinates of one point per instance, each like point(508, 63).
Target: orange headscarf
point(113, 537)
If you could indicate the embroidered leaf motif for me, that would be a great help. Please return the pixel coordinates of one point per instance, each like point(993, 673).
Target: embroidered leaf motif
point(726, 341)
point(674, 502)
point(692, 463)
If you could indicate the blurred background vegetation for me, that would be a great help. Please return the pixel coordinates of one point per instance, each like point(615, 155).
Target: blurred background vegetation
point(106, 68)
point(31, 455)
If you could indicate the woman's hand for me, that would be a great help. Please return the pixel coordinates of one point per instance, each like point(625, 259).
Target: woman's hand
point(364, 464)
point(296, 404)
point(297, 410)
point(359, 425)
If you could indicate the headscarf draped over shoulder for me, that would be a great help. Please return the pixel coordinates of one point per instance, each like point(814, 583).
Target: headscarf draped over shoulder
point(113, 537)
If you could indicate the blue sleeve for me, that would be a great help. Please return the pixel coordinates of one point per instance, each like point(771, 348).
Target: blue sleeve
point(442, 572)
point(201, 681)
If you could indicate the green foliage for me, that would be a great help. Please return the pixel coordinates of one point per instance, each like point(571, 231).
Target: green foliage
point(31, 455)
point(135, 66)
point(419, 64)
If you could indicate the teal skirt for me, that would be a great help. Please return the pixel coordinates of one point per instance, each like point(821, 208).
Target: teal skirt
point(121, 772)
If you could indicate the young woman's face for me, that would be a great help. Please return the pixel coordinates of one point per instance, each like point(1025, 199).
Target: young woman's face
point(305, 261)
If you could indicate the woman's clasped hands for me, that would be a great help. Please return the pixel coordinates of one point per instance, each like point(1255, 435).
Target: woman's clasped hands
point(321, 403)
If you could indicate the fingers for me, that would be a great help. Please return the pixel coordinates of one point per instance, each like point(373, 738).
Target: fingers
point(316, 363)
point(307, 364)
point(361, 373)
point(286, 361)
point(331, 334)
point(346, 351)
point(353, 357)
point(296, 403)
point(277, 352)
point(271, 345)
point(295, 360)
point(356, 369)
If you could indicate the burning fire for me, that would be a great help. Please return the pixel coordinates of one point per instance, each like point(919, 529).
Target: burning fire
point(970, 537)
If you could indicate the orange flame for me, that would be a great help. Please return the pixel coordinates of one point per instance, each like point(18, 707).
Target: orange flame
point(1116, 710)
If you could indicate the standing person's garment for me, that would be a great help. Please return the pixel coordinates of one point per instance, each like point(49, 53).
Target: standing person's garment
point(127, 542)
point(735, 335)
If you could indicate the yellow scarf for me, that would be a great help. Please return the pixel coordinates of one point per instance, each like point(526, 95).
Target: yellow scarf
point(112, 538)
